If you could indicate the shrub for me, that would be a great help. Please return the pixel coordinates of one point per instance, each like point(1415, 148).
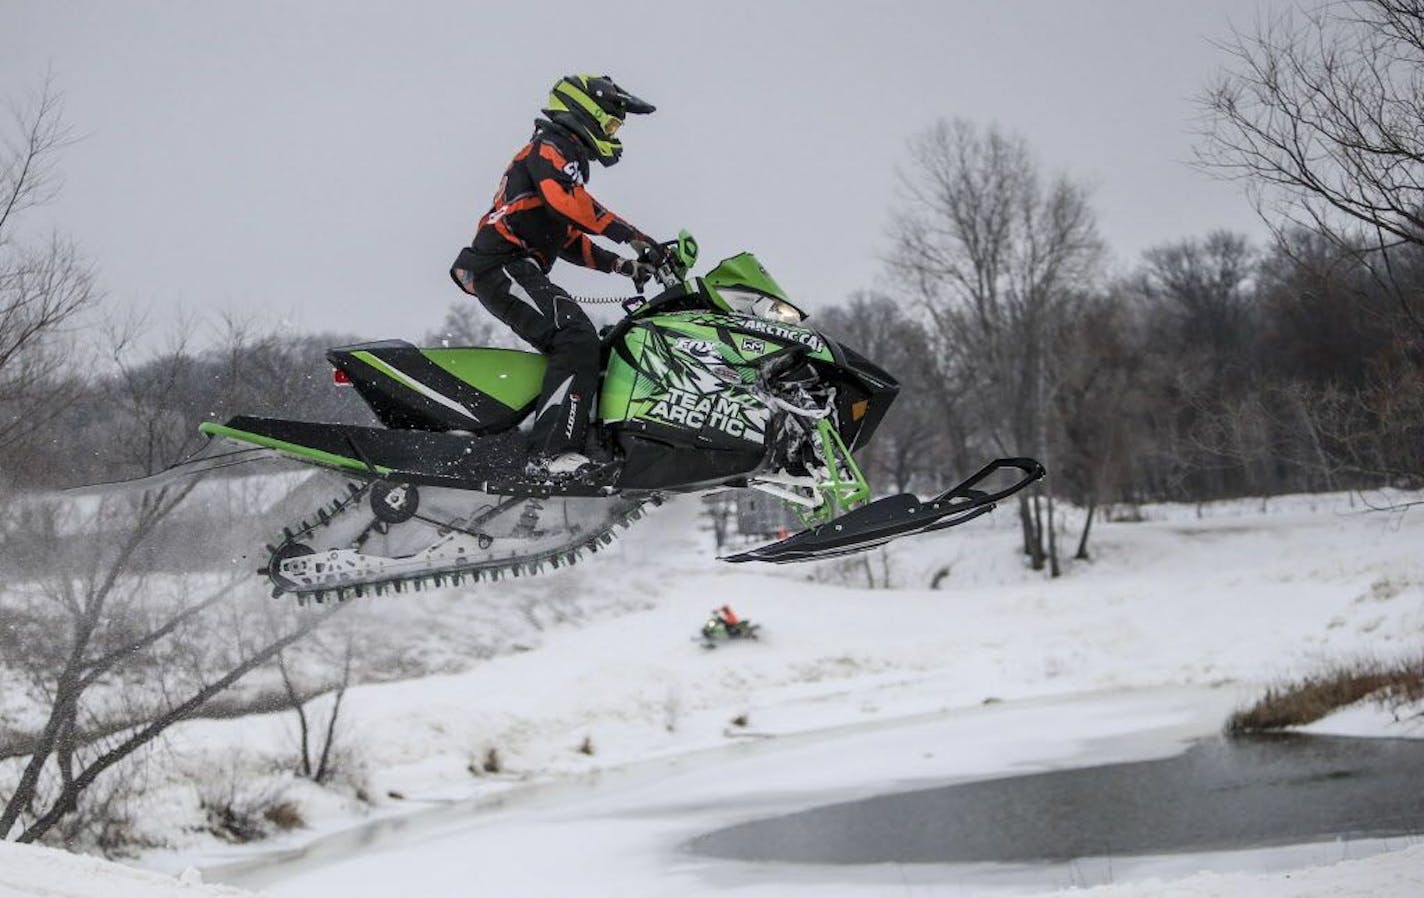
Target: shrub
point(1299, 703)
point(285, 815)
point(492, 762)
point(235, 807)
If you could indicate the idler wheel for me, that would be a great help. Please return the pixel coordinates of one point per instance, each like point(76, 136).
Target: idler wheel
point(394, 503)
point(274, 566)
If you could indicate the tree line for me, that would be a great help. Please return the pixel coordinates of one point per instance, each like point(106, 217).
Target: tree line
point(1214, 368)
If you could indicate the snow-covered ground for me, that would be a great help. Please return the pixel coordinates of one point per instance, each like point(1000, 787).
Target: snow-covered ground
point(853, 691)
point(27, 871)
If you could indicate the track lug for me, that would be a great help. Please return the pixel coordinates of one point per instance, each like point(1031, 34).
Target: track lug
point(459, 555)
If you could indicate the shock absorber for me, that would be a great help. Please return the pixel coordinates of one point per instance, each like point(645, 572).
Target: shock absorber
point(529, 518)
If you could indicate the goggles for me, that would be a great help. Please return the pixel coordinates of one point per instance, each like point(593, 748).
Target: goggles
point(611, 124)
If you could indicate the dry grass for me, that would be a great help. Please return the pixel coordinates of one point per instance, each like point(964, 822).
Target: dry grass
point(1310, 699)
point(492, 762)
point(285, 815)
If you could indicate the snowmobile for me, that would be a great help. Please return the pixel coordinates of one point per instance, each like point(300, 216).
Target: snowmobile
point(713, 382)
point(718, 629)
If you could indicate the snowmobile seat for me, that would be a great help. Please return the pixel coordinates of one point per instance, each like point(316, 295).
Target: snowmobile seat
point(480, 389)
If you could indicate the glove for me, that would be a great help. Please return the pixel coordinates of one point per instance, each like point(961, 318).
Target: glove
point(638, 271)
point(648, 251)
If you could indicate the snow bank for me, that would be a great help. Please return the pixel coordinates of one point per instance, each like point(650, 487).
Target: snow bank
point(29, 871)
point(1397, 874)
point(1368, 719)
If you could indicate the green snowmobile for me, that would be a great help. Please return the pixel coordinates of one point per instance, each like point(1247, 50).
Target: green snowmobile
point(714, 382)
point(717, 628)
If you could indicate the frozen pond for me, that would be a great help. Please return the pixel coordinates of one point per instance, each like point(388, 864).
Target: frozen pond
point(816, 813)
point(1219, 794)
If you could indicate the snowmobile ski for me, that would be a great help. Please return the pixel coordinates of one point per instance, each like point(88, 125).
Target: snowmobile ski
point(896, 516)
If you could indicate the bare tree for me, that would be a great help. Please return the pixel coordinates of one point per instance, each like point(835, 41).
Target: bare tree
point(906, 444)
point(997, 259)
point(316, 751)
point(1320, 112)
point(1100, 405)
point(1203, 292)
point(27, 169)
point(468, 324)
point(45, 285)
point(89, 636)
point(114, 653)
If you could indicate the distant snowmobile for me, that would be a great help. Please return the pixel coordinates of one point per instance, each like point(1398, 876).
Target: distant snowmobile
point(721, 625)
point(714, 382)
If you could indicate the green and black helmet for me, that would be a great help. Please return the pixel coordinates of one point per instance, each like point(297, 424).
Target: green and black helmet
point(593, 107)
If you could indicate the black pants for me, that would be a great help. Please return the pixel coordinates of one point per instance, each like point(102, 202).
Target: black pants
point(540, 312)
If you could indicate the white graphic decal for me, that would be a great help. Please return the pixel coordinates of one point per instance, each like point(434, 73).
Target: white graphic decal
point(518, 292)
point(695, 347)
point(807, 339)
point(719, 412)
point(556, 398)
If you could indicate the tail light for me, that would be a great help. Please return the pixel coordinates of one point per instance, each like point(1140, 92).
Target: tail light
point(340, 378)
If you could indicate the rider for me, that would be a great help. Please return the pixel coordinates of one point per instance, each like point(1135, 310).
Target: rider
point(542, 210)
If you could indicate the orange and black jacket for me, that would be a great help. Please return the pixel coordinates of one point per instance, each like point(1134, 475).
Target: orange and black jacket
point(542, 210)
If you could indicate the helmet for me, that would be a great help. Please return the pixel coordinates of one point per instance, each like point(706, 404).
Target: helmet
point(593, 107)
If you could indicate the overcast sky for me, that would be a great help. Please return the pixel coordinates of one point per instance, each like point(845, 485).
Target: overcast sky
point(319, 164)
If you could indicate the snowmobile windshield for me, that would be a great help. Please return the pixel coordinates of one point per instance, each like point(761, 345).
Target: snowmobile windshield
point(745, 287)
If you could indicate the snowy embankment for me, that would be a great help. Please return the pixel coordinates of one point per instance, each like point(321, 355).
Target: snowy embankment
point(1228, 596)
point(29, 871)
point(1396, 874)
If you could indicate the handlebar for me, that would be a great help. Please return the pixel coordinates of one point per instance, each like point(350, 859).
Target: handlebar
point(672, 259)
point(663, 258)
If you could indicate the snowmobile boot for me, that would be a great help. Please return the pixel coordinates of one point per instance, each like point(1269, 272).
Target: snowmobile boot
point(564, 466)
